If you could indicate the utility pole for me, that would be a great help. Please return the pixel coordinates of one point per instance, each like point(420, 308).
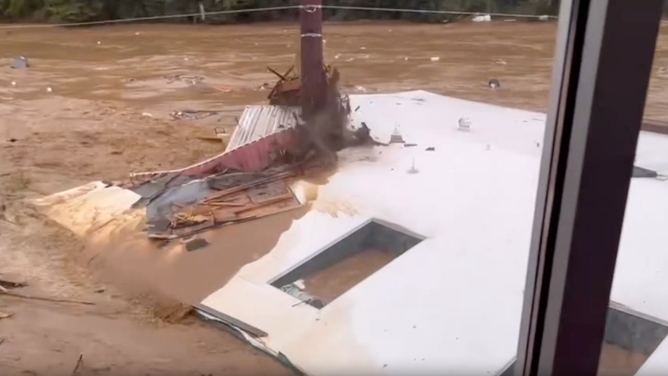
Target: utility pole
point(314, 82)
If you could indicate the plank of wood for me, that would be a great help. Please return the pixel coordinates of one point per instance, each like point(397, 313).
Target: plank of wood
point(243, 187)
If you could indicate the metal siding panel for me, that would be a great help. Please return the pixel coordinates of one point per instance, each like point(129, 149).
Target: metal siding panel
point(261, 121)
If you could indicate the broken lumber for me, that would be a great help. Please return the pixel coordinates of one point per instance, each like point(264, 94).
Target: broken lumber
point(4, 291)
point(243, 187)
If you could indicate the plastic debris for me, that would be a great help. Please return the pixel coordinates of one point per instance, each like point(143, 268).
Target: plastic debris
point(494, 83)
point(13, 83)
point(436, 58)
point(137, 33)
point(501, 62)
point(20, 62)
point(464, 124)
point(99, 42)
point(544, 18)
point(482, 18)
point(431, 148)
point(49, 90)
point(337, 56)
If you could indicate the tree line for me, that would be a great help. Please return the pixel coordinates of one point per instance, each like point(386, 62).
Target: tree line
point(98, 10)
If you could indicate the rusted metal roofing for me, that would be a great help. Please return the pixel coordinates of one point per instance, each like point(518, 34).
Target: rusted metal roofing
point(260, 121)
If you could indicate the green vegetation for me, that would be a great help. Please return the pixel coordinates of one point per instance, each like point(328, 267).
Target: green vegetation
point(95, 10)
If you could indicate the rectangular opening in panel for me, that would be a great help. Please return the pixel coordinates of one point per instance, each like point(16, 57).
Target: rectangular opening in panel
point(346, 263)
point(630, 339)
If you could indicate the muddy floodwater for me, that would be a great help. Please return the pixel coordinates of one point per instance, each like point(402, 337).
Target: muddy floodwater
point(96, 103)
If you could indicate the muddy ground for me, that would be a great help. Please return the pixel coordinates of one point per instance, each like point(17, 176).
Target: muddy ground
point(96, 104)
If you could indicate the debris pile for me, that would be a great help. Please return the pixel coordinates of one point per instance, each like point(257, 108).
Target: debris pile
point(250, 180)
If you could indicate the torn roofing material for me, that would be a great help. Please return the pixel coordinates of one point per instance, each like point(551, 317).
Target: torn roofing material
point(260, 121)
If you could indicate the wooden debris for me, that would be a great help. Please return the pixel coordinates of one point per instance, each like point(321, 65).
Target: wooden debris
point(244, 187)
point(78, 366)
point(4, 291)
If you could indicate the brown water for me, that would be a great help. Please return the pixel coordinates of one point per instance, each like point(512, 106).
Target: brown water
point(112, 89)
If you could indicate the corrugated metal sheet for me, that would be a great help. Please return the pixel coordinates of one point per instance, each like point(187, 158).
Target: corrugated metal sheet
point(253, 156)
point(260, 121)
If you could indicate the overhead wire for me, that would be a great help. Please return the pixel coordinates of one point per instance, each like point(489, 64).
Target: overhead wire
point(269, 9)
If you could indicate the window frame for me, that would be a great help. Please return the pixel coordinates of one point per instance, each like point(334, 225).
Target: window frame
point(601, 73)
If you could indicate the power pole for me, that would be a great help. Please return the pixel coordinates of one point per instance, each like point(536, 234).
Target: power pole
point(312, 62)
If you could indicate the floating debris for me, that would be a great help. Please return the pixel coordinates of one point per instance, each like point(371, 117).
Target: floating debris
point(49, 90)
point(482, 18)
point(494, 83)
point(431, 148)
point(501, 62)
point(20, 62)
point(192, 114)
point(435, 58)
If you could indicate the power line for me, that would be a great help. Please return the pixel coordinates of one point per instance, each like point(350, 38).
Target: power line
point(427, 11)
point(269, 9)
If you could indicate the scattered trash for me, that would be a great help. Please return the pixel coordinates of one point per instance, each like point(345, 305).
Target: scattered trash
point(357, 108)
point(99, 290)
point(195, 244)
point(13, 83)
point(300, 283)
point(410, 145)
point(482, 18)
point(337, 56)
point(20, 62)
point(465, 124)
point(49, 90)
point(362, 48)
point(12, 140)
point(544, 18)
point(360, 88)
point(349, 60)
point(137, 33)
point(98, 42)
point(185, 59)
point(494, 83)
point(436, 58)
point(413, 169)
point(510, 20)
point(146, 114)
point(501, 62)
point(406, 58)
point(192, 114)
point(431, 148)
point(304, 297)
point(5, 315)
